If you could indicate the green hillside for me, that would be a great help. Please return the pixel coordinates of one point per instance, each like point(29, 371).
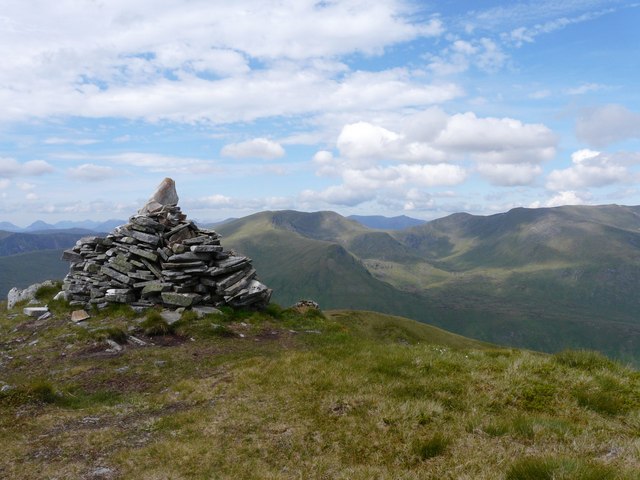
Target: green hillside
point(29, 268)
point(537, 278)
point(296, 266)
point(379, 327)
point(288, 395)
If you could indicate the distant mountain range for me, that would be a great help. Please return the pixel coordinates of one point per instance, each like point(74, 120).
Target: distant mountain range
point(372, 221)
point(89, 225)
point(13, 243)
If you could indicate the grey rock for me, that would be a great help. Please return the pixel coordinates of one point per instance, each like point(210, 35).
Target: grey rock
point(127, 240)
point(61, 295)
point(120, 297)
point(206, 248)
point(178, 248)
point(170, 316)
point(202, 310)
point(146, 221)
point(116, 275)
point(35, 311)
point(180, 236)
point(113, 346)
point(144, 254)
point(182, 265)
point(180, 299)
point(163, 254)
point(120, 263)
point(154, 289)
point(164, 195)
point(136, 341)
point(152, 268)
point(187, 257)
point(141, 275)
point(201, 240)
point(145, 237)
point(16, 295)
point(71, 256)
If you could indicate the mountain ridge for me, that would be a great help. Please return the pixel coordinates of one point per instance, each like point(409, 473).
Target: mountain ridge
point(517, 278)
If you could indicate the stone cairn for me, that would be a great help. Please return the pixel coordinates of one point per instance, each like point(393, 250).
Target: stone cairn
point(160, 258)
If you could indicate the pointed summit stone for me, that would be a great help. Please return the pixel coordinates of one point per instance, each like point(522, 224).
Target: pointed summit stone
point(165, 195)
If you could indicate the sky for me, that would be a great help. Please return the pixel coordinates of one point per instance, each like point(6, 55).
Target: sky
point(392, 107)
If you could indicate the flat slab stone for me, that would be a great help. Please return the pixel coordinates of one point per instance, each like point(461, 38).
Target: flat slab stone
point(187, 257)
point(35, 311)
point(79, 316)
point(180, 299)
point(144, 253)
point(71, 256)
point(116, 275)
point(202, 310)
point(120, 297)
point(145, 221)
point(145, 237)
point(170, 316)
point(154, 288)
point(206, 248)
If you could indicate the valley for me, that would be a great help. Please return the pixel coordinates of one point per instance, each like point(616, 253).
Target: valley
point(537, 278)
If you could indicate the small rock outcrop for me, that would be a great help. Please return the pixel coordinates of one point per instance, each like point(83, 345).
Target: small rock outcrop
point(161, 257)
point(16, 295)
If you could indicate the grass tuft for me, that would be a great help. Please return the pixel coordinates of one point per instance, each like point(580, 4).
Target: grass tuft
point(608, 397)
point(36, 392)
point(583, 359)
point(46, 293)
point(117, 310)
point(154, 325)
point(274, 310)
point(552, 468)
point(188, 316)
point(535, 395)
point(116, 334)
point(434, 446)
point(222, 331)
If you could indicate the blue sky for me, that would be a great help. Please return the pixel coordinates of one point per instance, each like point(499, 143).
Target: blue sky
point(389, 107)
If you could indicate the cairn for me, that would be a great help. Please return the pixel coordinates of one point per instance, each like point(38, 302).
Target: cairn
point(160, 258)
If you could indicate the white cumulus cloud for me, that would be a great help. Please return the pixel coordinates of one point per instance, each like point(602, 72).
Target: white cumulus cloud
point(509, 174)
point(430, 149)
point(10, 167)
point(590, 169)
point(607, 124)
point(214, 61)
point(256, 148)
point(568, 197)
point(91, 173)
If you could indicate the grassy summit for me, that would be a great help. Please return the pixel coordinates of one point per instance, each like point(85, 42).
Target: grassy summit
point(284, 394)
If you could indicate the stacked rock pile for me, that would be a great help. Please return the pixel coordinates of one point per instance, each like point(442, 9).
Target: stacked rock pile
point(160, 257)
